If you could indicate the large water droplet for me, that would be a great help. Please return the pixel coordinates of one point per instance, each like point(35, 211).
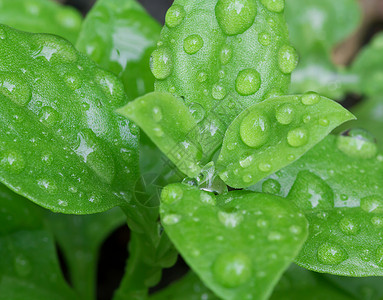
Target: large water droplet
point(287, 59)
point(331, 254)
point(22, 265)
point(226, 54)
point(232, 269)
point(174, 15)
point(271, 186)
point(15, 88)
point(372, 204)
point(197, 111)
point(235, 16)
point(274, 5)
point(285, 114)
point(193, 43)
point(53, 48)
point(248, 82)
point(171, 194)
point(348, 226)
point(298, 137)
point(357, 143)
point(218, 92)
point(161, 63)
point(310, 98)
point(49, 116)
point(12, 161)
point(230, 219)
point(254, 129)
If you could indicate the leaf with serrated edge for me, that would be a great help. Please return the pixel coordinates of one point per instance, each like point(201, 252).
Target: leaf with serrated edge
point(61, 143)
point(238, 243)
point(341, 193)
point(274, 133)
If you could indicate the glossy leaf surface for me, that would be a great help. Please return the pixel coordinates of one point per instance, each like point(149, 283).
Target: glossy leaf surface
point(338, 185)
point(120, 36)
point(272, 134)
point(168, 122)
point(222, 59)
point(29, 267)
point(62, 145)
point(41, 16)
point(245, 249)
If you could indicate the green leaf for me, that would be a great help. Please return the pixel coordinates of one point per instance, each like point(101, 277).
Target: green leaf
point(168, 122)
point(29, 268)
point(80, 238)
point(316, 27)
point(338, 185)
point(221, 60)
point(62, 146)
point(41, 16)
point(272, 134)
point(120, 36)
point(238, 243)
point(368, 66)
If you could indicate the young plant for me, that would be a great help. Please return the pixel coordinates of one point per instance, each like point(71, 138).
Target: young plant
point(232, 170)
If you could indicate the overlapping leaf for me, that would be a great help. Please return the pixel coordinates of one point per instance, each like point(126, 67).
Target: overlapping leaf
point(62, 145)
point(272, 134)
point(239, 243)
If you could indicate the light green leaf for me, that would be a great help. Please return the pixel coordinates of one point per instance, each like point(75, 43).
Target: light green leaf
point(41, 16)
point(338, 185)
point(120, 36)
point(29, 268)
point(238, 243)
point(168, 122)
point(272, 134)
point(62, 145)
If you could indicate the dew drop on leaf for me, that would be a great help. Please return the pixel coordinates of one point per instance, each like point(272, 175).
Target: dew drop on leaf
point(248, 82)
point(174, 15)
point(372, 204)
point(49, 116)
point(171, 219)
point(310, 98)
point(161, 63)
point(12, 161)
point(171, 194)
point(357, 143)
point(331, 254)
point(348, 226)
point(230, 219)
point(274, 5)
point(193, 43)
point(197, 111)
point(298, 137)
point(226, 54)
point(254, 129)
point(287, 59)
point(285, 114)
point(271, 186)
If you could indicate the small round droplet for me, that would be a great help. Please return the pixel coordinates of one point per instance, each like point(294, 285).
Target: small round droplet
point(254, 129)
point(264, 39)
point(202, 77)
point(274, 5)
point(15, 88)
point(171, 219)
point(161, 63)
point(372, 204)
point(324, 122)
point(306, 119)
point(232, 269)
point(271, 186)
point(247, 178)
point(218, 92)
point(357, 143)
point(285, 114)
point(348, 226)
point(264, 167)
point(197, 111)
point(12, 161)
point(157, 114)
point(248, 82)
point(230, 219)
point(235, 16)
point(22, 266)
point(174, 15)
point(47, 185)
point(287, 59)
point(310, 98)
point(226, 54)
point(297, 137)
point(193, 43)
point(331, 254)
point(49, 116)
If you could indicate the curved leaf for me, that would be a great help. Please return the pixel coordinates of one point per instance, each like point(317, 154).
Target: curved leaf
point(29, 267)
point(41, 16)
point(234, 242)
point(338, 185)
point(223, 58)
point(62, 145)
point(272, 134)
point(120, 36)
point(168, 122)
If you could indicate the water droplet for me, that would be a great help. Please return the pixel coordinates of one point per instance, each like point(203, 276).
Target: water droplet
point(274, 236)
point(274, 5)
point(47, 185)
point(190, 181)
point(230, 219)
point(306, 119)
point(295, 229)
point(221, 74)
point(111, 86)
point(218, 92)
point(248, 82)
point(171, 219)
point(193, 43)
point(73, 80)
point(15, 88)
point(310, 98)
point(357, 143)
point(202, 77)
point(285, 114)
point(171, 194)
point(247, 178)
point(264, 167)
point(62, 203)
point(287, 59)
point(261, 223)
point(235, 16)
point(377, 221)
point(246, 161)
point(133, 128)
point(324, 122)
point(12, 161)
point(47, 158)
point(197, 111)
point(207, 199)
point(22, 265)
point(271, 186)
point(331, 254)
point(255, 129)
point(226, 54)
point(297, 137)
point(348, 226)
point(372, 204)
point(49, 116)
point(161, 63)
point(174, 15)
point(157, 114)
point(232, 269)
point(264, 39)
point(52, 48)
